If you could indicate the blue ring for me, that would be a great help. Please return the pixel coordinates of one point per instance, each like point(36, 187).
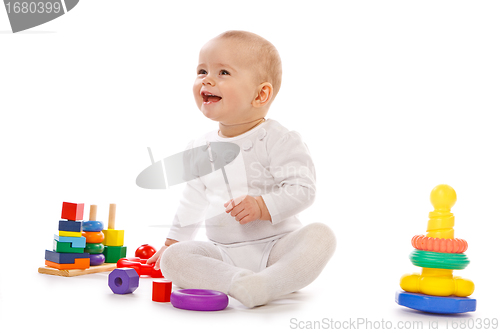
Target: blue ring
point(92, 226)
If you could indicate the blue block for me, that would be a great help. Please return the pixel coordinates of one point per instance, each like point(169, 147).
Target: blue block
point(435, 304)
point(75, 241)
point(123, 280)
point(64, 258)
point(92, 226)
point(68, 225)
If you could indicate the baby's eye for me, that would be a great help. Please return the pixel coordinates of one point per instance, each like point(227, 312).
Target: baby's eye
point(224, 72)
point(202, 72)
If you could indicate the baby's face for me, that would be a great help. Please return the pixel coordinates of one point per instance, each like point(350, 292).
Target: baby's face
point(225, 85)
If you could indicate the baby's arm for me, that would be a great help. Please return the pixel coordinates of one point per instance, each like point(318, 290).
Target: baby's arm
point(293, 171)
point(190, 212)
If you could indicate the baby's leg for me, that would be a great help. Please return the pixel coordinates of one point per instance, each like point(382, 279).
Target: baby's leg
point(295, 261)
point(199, 265)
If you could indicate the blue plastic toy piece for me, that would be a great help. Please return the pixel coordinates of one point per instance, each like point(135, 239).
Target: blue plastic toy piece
point(123, 280)
point(64, 258)
point(435, 304)
point(75, 241)
point(92, 226)
point(68, 225)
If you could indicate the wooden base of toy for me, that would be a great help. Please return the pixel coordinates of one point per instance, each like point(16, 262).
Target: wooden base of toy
point(76, 272)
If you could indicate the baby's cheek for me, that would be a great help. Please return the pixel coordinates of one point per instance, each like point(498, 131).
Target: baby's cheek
point(196, 92)
point(197, 88)
point(197, 98)
point(235, 95)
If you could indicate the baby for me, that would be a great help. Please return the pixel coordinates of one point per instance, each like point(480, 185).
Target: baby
point(258, 250)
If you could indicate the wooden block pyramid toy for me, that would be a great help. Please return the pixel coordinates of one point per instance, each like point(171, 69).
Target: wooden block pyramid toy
point(435, 289)
point(113, 239)
point(69, 243)
point(78, 244)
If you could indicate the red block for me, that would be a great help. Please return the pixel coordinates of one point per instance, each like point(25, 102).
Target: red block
point(72, 211)
point(162, 290)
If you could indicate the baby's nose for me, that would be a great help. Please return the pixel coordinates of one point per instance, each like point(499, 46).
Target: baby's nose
point(207, 81)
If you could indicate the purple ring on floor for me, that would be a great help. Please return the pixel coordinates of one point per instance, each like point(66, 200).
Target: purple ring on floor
point(199, 299)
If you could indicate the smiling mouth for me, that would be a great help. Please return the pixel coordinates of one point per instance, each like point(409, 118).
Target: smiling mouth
point(210, 98)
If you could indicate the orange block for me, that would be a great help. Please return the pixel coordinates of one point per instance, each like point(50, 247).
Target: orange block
point(80, 263)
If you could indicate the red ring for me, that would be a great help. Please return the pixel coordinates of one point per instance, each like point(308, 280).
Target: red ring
point(444, 245)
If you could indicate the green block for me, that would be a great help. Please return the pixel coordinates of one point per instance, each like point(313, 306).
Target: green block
point(114, 253)
point(64, 247)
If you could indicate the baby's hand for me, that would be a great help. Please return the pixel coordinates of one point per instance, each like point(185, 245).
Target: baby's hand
point(244, 209)
point(155, 259)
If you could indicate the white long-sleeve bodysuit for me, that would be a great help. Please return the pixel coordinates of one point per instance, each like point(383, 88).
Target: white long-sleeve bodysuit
point(273, 163)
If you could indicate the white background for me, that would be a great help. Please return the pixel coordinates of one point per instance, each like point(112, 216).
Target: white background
point(392, 98)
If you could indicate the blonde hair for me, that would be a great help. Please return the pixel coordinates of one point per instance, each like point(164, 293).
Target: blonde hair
point(269, 61)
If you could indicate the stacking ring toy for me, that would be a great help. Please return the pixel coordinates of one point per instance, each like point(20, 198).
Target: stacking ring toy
point(93, 226)
point(97, 259)
point(199, 300)
point(446, 245)
point(94, 248)
point(93, 236)
point(439, 260)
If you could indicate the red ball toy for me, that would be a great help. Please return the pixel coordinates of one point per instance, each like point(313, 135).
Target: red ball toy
point(145, 251)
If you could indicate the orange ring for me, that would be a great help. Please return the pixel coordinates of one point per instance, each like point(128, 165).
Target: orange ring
point(445, 245)
point(93, 236)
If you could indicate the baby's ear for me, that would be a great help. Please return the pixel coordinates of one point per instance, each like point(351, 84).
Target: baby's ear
point(264, 95)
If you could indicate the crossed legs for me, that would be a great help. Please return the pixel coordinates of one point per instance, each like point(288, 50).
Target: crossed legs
point(295, 261)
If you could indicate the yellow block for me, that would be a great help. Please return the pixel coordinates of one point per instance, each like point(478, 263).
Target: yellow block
point(70, 233)
point(113, 237)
